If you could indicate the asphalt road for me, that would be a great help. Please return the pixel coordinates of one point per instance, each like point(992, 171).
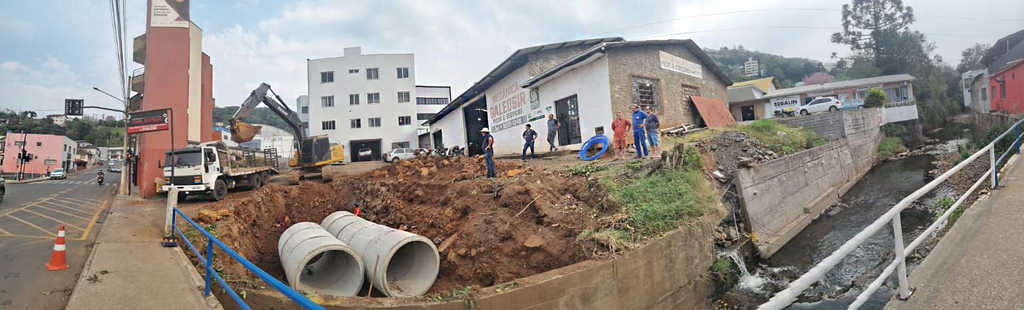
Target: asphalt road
point(30, 215)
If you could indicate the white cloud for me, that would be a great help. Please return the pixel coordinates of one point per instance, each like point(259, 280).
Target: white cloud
point(43, 88)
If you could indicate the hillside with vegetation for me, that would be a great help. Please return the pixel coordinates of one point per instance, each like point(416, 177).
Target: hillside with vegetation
point(260, 115)
point(789, 71)
point(99, 132)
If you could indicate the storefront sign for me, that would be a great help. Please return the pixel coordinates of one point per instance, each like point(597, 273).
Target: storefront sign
point(147, 121)
point(50, 162)
point(672, 63)
point(169, 13)
point(781, 103)
point(507, 108)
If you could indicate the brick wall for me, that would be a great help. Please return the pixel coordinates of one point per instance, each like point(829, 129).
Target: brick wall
point(624, 63)
point(543, 60)
point(783, 196)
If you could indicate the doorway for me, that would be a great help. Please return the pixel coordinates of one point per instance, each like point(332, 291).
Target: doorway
point(568, 114)
point(475, 117)
point(360, 146)
point(438, 142)
point(747, 113)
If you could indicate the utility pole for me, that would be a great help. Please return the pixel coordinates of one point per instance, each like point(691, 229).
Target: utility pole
point(125, 188)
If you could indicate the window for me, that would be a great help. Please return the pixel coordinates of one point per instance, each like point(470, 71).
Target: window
point(424, 116)
point(984, 94)
point(327, 125)
point(304, 125)
point(353, 99)
point(404, 120)
point(1002, 89)
point(645, 92)
point(399, 145)
point(39, 143)
point(351, 71)
point(372, 98)
point(371, 74)
point(403, 73)
point(425, 100)
point(305, 110)
point(403, 96)
point(374, 121)
point(22, 144)
point(356, 123)
point(327, 101)
point(327, 77)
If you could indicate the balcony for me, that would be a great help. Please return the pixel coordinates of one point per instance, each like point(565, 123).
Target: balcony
point(138, 80)
point(139, 49)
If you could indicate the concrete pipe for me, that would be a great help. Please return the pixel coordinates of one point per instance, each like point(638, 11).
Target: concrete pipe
point(406, 264)
point(314, 260)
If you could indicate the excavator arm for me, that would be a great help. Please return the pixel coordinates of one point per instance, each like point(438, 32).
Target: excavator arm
point(244, 132)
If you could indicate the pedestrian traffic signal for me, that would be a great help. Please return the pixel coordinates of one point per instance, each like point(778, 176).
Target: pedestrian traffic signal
point(73, 107)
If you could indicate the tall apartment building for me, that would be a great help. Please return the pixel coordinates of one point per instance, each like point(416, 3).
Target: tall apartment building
point(364, 101)
point(751, 68)
point(429, 101)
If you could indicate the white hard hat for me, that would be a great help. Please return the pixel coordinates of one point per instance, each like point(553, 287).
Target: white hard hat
point(485, 130)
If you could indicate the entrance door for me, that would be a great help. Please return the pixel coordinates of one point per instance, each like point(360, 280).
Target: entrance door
point(475, 117)
point(437, 139)
point(568, 114)
point(747, 113)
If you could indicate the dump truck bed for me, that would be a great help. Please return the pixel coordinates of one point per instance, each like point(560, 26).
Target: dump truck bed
point(234, 172)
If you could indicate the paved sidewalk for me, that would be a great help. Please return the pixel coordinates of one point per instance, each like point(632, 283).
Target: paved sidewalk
point(128, 269)
point(977, 264)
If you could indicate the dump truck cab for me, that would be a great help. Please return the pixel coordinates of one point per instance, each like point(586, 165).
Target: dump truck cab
point(210, 169)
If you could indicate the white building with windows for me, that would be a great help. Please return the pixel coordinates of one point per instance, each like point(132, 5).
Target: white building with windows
point(363, 101)
point(430, 100)
point(302, 108)
point(751, 67)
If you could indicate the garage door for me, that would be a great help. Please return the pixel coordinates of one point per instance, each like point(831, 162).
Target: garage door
point(360, 146)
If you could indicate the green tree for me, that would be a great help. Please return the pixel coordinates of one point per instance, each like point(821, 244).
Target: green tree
point(864, 21)
point(875, 98)
point(970, 58)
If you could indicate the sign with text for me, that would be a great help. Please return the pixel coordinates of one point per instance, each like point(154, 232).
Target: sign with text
point(781, 103)
point(73, 107)
point(673, 63)
point(50, 162)
point(147, 121)
point(506, 108)
point(169, 13)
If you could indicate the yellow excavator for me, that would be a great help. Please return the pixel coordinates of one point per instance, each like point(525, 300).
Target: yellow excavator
point(311, 153)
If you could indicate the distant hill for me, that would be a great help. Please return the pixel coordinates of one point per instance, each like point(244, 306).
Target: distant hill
point(788, 70)
point(258, 115)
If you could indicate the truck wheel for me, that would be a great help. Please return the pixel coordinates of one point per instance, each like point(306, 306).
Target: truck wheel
point(219, 190)
point(263, 178)
point(257, 181)
point(252, 181)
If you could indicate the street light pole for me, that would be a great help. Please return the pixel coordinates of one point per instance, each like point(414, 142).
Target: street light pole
point(125, 188)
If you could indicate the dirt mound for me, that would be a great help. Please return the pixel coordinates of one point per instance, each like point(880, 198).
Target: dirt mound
point(733, 149)
point(489, 231)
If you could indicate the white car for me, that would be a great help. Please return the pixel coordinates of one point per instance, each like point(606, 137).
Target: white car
point(830, 104)
point(399, 154)
point(58, 174)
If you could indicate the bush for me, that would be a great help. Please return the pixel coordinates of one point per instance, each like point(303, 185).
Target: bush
point(662, 201)
point(875, 98)
point(890, 146)
point(894, 130)
point(780, 138)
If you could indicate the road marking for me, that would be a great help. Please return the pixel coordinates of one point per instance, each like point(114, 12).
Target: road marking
point(53, 219)
point(62, 212)
point(2, 231)
point(77, 200)
point(95, 217)
point(67, 207)
point(30, 224)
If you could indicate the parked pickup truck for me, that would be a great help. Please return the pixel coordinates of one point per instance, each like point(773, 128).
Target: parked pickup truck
point(212, 168)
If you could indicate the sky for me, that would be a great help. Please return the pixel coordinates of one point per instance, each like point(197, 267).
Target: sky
point(57, 50)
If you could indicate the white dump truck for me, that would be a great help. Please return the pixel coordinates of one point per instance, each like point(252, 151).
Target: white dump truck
point(212, 168)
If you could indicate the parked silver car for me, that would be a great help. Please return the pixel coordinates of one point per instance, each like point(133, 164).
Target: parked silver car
point(399, 154)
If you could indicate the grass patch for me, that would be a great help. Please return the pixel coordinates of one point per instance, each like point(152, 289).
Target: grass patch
point(453, 295)
point(585, 170)
point(942, 205)
point(721, 266)
point(890, 146)
point(780, 138)
point(660, 202)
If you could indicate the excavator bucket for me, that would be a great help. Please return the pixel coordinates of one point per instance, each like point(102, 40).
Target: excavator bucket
point(243, 132)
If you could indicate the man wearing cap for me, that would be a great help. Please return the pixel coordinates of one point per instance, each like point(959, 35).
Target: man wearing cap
point(639, 135)
point(488, 149)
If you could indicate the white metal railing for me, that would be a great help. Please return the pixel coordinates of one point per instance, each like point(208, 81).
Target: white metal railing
point(786, 297)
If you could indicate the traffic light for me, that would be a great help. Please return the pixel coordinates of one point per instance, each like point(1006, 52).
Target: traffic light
point(29, 157)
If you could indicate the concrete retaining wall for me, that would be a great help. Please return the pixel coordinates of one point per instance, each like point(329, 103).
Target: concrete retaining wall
point(783, 196)
point(828, 125)
point(667, 273)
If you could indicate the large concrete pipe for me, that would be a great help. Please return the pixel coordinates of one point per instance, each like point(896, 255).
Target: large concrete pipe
point(406, 263)
point(314, 260)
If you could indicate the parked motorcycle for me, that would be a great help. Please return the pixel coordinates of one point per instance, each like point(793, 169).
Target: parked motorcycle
point(457, 151)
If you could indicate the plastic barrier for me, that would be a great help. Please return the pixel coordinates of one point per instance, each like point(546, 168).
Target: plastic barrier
point(590, 142)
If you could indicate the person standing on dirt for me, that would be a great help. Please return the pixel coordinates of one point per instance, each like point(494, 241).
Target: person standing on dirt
point(553, 126)
point(651, 125)
point(620, 126)
point(530, 136)
point(488, 149)
point(639, 135)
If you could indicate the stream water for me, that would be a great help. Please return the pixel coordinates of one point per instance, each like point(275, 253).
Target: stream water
point(881, 188)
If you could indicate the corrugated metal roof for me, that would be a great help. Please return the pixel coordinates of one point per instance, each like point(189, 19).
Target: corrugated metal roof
point(837, 85)
point(745, 93)
point(714, 112)
point(763, 83)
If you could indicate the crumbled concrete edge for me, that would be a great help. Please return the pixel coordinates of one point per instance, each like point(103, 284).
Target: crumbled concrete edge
point(198, 280)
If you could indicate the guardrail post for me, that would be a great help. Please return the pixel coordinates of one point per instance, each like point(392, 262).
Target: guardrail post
point(992, 163)
point(1016, 141)
point(901, 269)
point(209, 264)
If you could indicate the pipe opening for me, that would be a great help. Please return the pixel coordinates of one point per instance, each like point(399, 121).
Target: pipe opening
point(412, 269)
point(333, 271)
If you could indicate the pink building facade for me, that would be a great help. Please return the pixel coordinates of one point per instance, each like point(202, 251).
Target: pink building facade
point(48, 151)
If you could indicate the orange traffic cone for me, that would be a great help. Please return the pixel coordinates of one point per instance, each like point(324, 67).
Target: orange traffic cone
point(57, 259)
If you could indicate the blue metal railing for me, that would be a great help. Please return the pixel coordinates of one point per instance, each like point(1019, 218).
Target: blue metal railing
point(1014, 149)
point(208, 264)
